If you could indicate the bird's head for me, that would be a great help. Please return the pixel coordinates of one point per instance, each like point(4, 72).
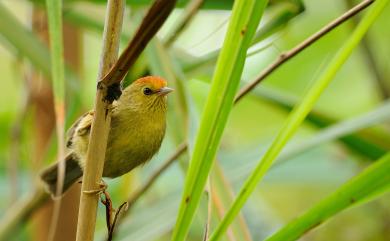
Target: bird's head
point(147, 93)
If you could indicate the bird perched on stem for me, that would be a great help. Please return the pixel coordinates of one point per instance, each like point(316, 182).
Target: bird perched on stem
point(136, 132)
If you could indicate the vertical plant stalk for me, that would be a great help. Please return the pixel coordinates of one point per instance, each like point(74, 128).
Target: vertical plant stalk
point(245, 19)
point(160, 11)
point(54, 13)
point(100, 127)
point(297, 116)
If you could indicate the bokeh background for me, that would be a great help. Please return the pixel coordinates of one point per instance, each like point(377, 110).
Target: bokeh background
point(301, 179)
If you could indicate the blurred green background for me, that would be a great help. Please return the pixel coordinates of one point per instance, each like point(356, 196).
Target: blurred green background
point(290, 188)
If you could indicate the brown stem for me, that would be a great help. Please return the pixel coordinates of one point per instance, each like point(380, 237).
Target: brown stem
point(100, 126)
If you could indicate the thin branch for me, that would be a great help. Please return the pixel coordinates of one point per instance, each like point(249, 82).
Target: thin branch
point(183, 21)
point(100, 126)
point(284, 57)
point(150, 24)
point(123, 207)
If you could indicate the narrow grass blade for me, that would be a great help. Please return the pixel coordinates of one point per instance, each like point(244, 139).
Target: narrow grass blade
point(222, 195)
point(245, 18)
point(298, 115)
point(372, 182)
point(54, 13)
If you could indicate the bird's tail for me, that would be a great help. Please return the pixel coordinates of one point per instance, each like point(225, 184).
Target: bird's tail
point(73, 172)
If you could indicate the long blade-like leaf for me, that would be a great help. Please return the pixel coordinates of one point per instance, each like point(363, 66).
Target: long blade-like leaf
point(54, 12)
point(373, 181)
point(297, 116)
point(245, 18)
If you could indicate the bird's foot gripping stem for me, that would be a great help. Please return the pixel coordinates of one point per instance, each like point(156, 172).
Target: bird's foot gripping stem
point(102, 188)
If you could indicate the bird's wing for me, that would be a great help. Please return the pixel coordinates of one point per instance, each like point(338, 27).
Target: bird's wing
point(82, 126)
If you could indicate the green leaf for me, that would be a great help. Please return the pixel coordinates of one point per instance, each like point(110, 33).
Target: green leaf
point(373, 181)
point(54, 12)
point(297, 116)
point(245, 18)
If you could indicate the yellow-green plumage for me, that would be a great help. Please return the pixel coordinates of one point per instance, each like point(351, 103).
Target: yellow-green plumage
point(137, 130)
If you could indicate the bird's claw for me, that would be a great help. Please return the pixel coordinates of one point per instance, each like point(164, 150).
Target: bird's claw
point(102, 188)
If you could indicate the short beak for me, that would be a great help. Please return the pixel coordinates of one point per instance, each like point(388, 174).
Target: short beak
point(164, 91)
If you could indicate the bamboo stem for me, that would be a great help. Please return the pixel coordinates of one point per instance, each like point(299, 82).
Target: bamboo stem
point(100, 127)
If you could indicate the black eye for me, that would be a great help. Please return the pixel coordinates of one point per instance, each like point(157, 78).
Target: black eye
point(148, 91)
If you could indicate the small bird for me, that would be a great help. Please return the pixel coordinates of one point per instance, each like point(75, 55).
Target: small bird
point(137, 129)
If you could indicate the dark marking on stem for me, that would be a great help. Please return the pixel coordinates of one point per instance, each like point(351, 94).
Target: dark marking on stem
point(243, 31)
point(312, 227)
point(283, 56)
point(187, 199)
point(352, 200)
point(114, 91)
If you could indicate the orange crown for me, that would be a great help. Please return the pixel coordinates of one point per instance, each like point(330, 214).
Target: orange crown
point(154, 81)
